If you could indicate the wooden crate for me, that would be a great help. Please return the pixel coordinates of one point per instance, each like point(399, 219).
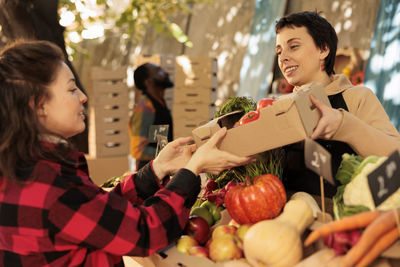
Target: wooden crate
point(108, 113)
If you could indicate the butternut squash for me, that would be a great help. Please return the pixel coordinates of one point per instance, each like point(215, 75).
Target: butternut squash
point(277, 242)
point(310, 200)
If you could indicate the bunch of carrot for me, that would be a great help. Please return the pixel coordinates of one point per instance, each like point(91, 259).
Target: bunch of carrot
point(380, 233)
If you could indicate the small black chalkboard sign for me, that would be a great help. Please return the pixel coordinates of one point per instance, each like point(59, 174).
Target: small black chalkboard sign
point(318, 159)
point(385, 180)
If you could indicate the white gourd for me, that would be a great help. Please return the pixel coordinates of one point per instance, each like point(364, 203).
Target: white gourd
point(277, 242)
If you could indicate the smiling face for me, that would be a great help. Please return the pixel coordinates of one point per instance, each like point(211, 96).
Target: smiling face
point(299, 58)
point(62, 113)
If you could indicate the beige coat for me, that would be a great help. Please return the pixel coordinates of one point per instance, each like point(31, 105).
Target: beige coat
point(365, 127)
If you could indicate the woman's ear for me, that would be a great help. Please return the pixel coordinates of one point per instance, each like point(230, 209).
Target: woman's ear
point(39, 109)
point(324, 52)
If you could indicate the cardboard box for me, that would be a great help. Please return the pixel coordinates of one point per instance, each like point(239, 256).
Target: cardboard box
point(108, 132)
point(109, 148)
point(191, 112)
point(194, 95)
point(183, 126)
point(196, 79)
point(99, 73)
point(289, 120)
point(184, 129)
point(101, 169)
point(106, 87)
point(196, 64)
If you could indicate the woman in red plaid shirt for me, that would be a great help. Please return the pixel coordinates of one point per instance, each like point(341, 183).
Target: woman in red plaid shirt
point(51, 213)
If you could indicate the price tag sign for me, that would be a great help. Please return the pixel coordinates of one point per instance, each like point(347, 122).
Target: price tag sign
point(318, 159)
point(385, 180)
point(157, 130)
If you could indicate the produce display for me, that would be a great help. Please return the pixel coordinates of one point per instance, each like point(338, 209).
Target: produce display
point(354, 196)
point(245, 215)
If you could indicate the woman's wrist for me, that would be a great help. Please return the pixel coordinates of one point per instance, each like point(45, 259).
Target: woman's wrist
point(193, 167)
point(158, 169)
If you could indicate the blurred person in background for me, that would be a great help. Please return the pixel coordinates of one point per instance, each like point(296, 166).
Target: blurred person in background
point(151, 109)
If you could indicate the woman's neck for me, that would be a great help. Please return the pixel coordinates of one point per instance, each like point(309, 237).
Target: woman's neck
point(51, 138)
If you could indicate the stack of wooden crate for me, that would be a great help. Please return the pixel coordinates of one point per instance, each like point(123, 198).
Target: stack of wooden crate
point(108, 123)
point(194, 93)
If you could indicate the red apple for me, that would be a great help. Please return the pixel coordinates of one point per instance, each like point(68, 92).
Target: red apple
point(198, 228)
point(265, 102)
point(225, 247)
point(186, 242)
point(198, 251)
point(222, 230)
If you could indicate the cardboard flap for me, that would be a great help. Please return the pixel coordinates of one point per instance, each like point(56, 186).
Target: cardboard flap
point(203, 132)
point(282, 105)
point(309, 114)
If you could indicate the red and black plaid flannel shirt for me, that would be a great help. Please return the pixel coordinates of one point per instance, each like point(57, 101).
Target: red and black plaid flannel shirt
point(62, 218)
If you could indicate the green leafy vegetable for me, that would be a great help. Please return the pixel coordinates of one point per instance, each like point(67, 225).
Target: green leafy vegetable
point(236, 103)
point(347, 167)
point(267, 162)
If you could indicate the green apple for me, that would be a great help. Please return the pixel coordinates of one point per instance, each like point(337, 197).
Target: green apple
point(242, 230)
point(204, 213)
point(212, 208)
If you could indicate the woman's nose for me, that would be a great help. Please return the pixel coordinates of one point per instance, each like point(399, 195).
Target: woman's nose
point(83, 97)
point(283, 57)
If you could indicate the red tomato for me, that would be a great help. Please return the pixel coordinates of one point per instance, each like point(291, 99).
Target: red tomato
point(261, 200)
point(249, 116)
point(264, 102)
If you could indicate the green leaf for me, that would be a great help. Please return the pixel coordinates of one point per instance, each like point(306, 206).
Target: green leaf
point(177, 32)
point(188, 44)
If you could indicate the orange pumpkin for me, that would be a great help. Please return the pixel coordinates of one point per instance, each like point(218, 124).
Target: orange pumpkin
point(262, 199)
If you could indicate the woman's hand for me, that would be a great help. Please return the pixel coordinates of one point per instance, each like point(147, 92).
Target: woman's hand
point(174, 156)
point(209, 159)
point(329, 122)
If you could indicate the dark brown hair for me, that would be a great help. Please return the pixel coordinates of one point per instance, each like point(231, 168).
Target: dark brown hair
point(322, 32)
point(27, 68)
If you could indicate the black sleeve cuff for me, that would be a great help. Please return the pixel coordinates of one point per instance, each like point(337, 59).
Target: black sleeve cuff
point(145, 182)
point(186, 183)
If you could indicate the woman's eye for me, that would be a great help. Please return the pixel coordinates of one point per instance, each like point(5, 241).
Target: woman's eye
point(294, 46)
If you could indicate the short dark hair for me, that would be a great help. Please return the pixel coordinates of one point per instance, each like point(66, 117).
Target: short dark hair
point(322, 32)
point(27, 68)
point(141, 74)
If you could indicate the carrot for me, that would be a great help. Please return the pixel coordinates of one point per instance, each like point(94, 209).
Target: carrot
point(357, 221)
point(383, 224)
point(381, 245)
